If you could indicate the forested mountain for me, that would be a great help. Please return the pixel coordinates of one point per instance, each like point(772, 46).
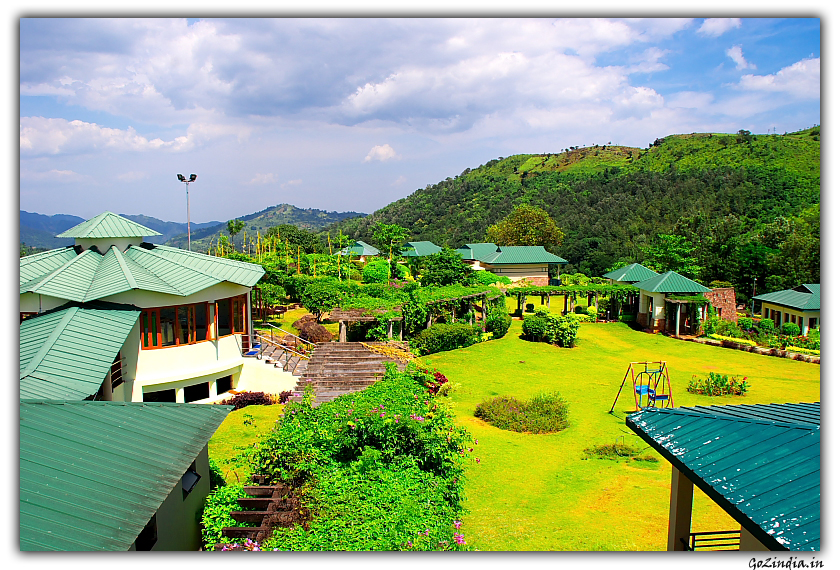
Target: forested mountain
point(304, 218)
point(748, 203)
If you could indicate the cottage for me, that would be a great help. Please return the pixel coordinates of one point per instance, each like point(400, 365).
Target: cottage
point(170, 325)
point(113, 475)
point(516, 262)
point(360, 249)
point(800, 305)
point(670, 288)
point(419, 249)
point(760, 463)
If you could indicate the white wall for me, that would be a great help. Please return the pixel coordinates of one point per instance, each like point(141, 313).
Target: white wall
point(150, 299)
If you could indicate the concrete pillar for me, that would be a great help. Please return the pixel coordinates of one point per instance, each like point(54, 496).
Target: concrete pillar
point(679, 520)
point(429, 322)
point(107, 389)
point(390, 329)
point(548, 301)
point(596, 307)
point(179, 396)
point(250, 332)
point(677, 326)
point(402, 324)
point(342, 331)
point(750, 542)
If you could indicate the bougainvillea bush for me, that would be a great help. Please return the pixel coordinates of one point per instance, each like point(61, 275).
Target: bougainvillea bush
point(380, 469)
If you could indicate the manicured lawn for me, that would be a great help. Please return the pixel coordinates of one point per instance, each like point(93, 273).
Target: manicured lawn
point(537, 492)
point(231, 444)
point(285, 321)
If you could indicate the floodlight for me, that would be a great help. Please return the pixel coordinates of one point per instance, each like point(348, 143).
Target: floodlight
point(181, 178)
point(193, 177)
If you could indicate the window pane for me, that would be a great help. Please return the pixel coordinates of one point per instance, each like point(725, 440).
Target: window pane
point(239, 314)
point(185, 333)
point(167, 326)
point(223, 307)
point(201, 321)
point(145, 328)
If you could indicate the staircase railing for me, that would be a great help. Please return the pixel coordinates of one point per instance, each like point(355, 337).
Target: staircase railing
point(715, 540)
point(307, 346)
point(288, 353)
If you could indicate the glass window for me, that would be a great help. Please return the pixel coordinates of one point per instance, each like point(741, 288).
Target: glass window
point(186, 324)
point(239, 314)
point(223, 316)
point(167, 326)
point(201, 321)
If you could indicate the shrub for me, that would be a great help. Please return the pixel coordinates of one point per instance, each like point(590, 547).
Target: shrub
point(314, 332)
point(745, 323)
point(489, 278)
point(791, 329)
point(616, 451)
point(445, 268)
point(445, 336)
point(217, 478)
point(433, 380)
point(321, 296)
point(244, 399)
point(498, 322)
point(544, 413)
point(718, 385)
point(765, 325)
point(546, 327)
point(376, 271)
point(216, 514)
point(736, 340)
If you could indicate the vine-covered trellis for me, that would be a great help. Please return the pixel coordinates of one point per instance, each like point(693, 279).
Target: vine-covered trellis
point(592, 291)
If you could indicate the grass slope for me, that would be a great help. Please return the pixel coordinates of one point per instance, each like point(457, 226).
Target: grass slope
point(537, 492)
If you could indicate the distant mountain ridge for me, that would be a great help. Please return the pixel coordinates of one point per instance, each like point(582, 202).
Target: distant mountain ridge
point(304, 218)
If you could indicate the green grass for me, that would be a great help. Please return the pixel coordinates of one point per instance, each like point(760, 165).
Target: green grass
point(232, 443)
point(539, 492)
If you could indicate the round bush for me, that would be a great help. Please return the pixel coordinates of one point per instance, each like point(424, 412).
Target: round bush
point(745, 323)
point(765, 325)
point(791, 329)
point(544, 413)
point(498, 323)
point(377, 271)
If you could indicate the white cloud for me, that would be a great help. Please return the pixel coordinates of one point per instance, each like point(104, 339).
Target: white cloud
point(263, 179)
point(802, 79)
point(649, 62)
point(381, 152)
point(132, 176)
point(296, 182)
point(690, 100)
point(737, 56)
point(53, 175)
point(399, 181)
point(716, 27)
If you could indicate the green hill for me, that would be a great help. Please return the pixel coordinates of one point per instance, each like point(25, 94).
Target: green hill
point(722, 191)
point(305, 218)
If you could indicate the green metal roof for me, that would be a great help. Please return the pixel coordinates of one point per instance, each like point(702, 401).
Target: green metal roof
point(804, 298)
point(360, 248)
point(671, 282)
point(92, 474)
point(90, 275)
point(476, 250)
point(760, 463)
point(520, 254)
point(65, 353)
point(634, 272)
point(108, 225)
point(420, 249)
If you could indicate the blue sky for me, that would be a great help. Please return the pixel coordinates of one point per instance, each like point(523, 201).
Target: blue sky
point(352, 114)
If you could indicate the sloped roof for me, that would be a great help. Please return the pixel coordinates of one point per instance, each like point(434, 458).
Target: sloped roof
point(66, 353)
point(519, 254)
point(420, 248)
point(360, 248)
point(92, 474)
point(671, 282)
point(90, 275)
point(760, 463)
point(476, 250)
point(634, 272)
point(108, 225)
point(804, 297)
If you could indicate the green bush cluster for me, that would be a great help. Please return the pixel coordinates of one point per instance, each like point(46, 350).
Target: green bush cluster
point(544, 326)
point(544, 413)
point(216, 514)
point(718, 385)
point(380, 469)
point(376, 271)
point(762, 333)
point(447, 336)
point(498, 322)
point(489, 278)
point(790, 329)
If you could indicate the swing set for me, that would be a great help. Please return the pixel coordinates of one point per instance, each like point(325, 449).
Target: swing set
point(651, 385)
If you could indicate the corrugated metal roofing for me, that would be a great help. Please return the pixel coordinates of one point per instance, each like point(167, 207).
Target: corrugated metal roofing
point(66, 353)
point(92, 474)
point(90, 275)
point(633, 273)
point(361, 248)
point(519, 254)
point(805, 297)
point(671, 282)
point(760, 463)
point(473, 251)
point(420, 248)
point(108, 225)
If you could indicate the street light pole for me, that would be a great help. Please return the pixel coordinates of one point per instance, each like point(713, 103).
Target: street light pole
point(187, 182)
point(752, 301)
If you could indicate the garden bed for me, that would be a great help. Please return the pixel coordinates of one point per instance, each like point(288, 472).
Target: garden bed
point(781, 353)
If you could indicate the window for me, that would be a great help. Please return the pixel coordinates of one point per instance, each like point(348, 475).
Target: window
point(224, 384)
point(148, 536)
point(189, 479)
point(197, 392)
point(223, 316)
point(159, 396)
point(177, 325)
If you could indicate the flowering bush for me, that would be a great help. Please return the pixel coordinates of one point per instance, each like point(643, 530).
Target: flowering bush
point(718, 385)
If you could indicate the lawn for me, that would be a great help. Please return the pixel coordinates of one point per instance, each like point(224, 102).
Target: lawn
point(233, 442)
point(537, 492)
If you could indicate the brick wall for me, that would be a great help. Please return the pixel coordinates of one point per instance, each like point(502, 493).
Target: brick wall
point(534, 281)
point(723, 298)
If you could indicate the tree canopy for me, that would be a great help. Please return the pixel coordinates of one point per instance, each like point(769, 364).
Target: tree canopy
point(526, 225)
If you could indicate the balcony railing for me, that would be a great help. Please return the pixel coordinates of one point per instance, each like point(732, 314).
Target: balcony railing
point(714, 540)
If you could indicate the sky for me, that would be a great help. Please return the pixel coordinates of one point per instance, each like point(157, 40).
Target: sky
point(353, 114)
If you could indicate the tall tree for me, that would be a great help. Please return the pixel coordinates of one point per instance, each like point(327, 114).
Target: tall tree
point(446, 267)
point(526, 225)
point(234, 227)
point(388, 236)
point(672, 253)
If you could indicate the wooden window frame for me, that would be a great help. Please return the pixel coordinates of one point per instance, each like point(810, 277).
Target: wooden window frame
point(150, 329)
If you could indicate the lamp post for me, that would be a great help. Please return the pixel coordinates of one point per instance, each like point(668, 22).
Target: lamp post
point(752, 301)
point(187, 182)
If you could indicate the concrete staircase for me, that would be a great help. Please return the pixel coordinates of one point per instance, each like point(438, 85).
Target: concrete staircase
point(277, 356)
point(338, 368)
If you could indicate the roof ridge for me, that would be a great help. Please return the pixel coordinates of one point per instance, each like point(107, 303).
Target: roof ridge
point(180, 292)
point(720, 416)
point(47, 344)
point(128, 276)
point(49, 277)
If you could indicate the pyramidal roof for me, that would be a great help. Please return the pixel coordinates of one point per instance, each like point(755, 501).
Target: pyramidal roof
point(633, 272)
point(108, 225)
point(671, 282)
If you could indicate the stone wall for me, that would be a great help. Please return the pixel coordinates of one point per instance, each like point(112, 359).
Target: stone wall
point(723, 298)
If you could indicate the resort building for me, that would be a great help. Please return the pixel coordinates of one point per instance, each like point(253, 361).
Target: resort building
point(760, 463)
point(516, 262)
point(143, 322)
point(662, 299)
point(114, 475)
point(361, 249)
point(630, 274)
point(420, 249)
point(800, 305)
